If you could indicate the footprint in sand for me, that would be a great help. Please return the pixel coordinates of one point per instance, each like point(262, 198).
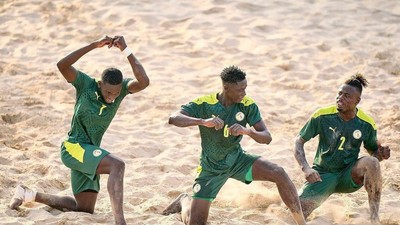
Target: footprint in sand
point(14, 118)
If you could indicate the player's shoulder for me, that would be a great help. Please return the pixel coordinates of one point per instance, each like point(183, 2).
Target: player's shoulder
point(324, 111)
point(83, 81)
point(247, 101)
point(365, 117)
point(209, 99)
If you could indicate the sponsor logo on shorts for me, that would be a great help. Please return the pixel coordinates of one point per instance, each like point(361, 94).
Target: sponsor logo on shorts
point(357, 134)
point(97, 153)
point(196, 188)
point(239, 116)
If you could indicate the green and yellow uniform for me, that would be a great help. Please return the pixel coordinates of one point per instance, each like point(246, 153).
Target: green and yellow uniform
point(338, 150)
point(222, 156)
point(81, 151)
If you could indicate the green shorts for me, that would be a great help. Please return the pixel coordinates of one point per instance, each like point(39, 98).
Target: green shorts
point(83, 160)
point(332, 182)
point(208, 184)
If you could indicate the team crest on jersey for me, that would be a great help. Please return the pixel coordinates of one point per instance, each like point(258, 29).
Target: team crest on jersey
point(97, 153)
point(239, 116)
point(357, 134)
point(196, 188)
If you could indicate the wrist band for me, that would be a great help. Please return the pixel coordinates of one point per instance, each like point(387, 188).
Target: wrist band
point(127, 51)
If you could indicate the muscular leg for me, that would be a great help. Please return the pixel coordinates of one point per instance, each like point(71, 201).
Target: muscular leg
point(367, 171)
point(83, 202)
point(63, 203)
point(199, 212)
point(24, 194)
point(308, 207)
point(115, 168)
point(267, 171)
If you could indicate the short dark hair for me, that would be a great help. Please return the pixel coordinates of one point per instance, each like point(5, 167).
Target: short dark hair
point(112, 76)
point(232, 74)
point(358, 81)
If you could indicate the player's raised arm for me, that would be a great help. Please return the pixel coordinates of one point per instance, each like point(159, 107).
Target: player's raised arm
point(142, 80)
point(65, 64)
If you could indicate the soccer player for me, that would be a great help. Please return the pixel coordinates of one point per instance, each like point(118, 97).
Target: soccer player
point(337, 168)
point(222, 118)
point(96, 105)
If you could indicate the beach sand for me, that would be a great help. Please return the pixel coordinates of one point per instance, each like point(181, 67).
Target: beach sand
point(295, 53)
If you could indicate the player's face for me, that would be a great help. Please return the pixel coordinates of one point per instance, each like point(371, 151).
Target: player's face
point(347, 98)
point(110, 92)
point(237, 91)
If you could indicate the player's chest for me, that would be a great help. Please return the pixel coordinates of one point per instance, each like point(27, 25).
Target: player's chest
point(91, 104)
point(347, 134)
point(230, 115)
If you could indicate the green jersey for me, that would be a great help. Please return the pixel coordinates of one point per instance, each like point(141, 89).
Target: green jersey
point(92, 115)
point(219, 148)
point(339, 141)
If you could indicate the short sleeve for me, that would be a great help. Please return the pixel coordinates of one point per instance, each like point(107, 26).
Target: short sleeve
point(82, 82)
point(310, 129)
point(254, 114)
point(125, 83)
point(192, 109)
point(371, 142)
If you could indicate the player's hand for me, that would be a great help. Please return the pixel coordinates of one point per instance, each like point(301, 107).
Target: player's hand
point(119, 42)
point(384, 152)
point(237, 129)
point(105, 41)
point(312, 175)
point(215, 122)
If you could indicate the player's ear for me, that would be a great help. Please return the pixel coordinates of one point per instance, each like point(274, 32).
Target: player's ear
point(358, 100)
point(226, 86)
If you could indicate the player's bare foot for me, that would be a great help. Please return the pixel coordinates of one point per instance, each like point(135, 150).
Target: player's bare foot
point(22, 194)
point(176, 205)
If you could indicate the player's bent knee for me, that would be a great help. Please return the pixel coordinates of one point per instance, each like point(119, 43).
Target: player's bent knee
point(118, 164)
point(372, 163)
point(279, 172)
point(279, 175)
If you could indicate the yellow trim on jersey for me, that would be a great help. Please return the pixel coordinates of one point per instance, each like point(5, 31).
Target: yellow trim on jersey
point(75, 150)
point(333, 109)
point(246, 101)
point(363, 116)
point(325, 111)
point(212, 100)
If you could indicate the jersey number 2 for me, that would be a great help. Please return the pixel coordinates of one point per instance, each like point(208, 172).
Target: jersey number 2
point(342, 140)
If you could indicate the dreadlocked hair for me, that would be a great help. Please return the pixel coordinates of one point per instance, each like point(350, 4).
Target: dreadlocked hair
point(358, 81)
point(232, 74)
point(112, 76)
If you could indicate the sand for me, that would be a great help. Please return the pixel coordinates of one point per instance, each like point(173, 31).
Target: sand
point(296, 55)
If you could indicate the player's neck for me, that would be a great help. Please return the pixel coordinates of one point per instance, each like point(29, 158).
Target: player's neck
point(348, 115)
point(224, 100)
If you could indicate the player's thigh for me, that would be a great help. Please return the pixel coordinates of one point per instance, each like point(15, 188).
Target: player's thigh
point(86, 201)
point(266, 170)
point(108, 163)
point(199, 211)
